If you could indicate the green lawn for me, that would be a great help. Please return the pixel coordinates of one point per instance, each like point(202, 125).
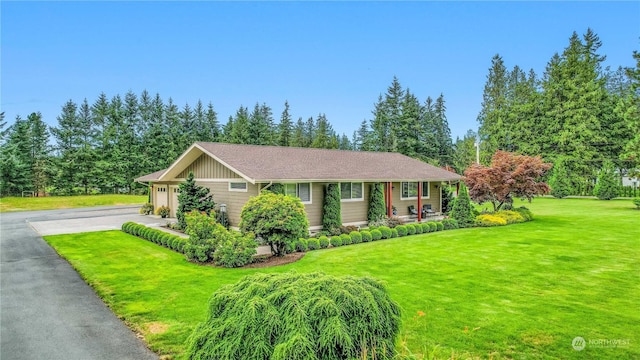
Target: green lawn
point(520, 291)
point(8, 204)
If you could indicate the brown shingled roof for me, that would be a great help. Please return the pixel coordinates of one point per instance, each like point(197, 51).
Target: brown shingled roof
point(151, 177)
point(275, 163)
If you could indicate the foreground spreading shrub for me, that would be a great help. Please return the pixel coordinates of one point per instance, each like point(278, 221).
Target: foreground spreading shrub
point(487, 220)
point(297, 316)
point(279, 220)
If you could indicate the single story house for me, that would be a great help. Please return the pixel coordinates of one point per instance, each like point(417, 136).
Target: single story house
point(234, 173)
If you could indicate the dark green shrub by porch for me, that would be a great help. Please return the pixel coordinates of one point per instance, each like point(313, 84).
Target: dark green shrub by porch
point(300, 316)
point(331, 213)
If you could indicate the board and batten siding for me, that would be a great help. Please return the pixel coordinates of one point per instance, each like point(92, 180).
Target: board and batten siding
point(402, 206)
point(234, 200)
point(206, 167)
point(355, 211)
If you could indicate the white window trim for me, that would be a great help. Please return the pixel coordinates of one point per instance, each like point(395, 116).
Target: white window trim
point(361, 198)
point(310, 192)
point(410, 197)
point(246, 187)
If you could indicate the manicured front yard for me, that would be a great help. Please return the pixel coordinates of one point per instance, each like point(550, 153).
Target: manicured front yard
point(8, 204)
point(520, 291)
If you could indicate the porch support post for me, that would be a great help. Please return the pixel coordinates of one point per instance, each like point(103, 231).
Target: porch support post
point(419, 201)
point(389, 199)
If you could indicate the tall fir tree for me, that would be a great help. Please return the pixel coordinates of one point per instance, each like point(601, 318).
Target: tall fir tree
point(285, 127)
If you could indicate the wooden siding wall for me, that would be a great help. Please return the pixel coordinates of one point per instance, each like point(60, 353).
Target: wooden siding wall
point(234, 200)
point(356, 211)
point(207, 168)
point(403, 205)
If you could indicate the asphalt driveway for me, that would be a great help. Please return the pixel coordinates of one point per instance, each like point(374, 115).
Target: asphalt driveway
point(46, 310)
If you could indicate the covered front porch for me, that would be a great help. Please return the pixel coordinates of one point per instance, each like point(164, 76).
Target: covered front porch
point(414, 200)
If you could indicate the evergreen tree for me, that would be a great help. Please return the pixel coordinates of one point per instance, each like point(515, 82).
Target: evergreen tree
point(260, 126)
point(66, 147)
point(443, 133)
point(298, 139)
point(608, 183)
point(560, 182)
point(377, 207)
point(629, 108)
point(325, 137)
point(211, 130)
point(462, 210)
point(15, 172)
point(465, 151)
point(240, 132)
point(494, 108)
point(193, 197)
point(85, 152)
point(331, 210)
point(285, 127)
point(362, 138)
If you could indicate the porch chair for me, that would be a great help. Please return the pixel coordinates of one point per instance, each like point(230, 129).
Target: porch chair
point(427, 210)
point(412, 211)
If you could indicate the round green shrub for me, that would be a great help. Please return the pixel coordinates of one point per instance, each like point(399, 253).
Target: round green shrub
point(411, 229)
point(279, 219)
point(432, 226)
point(418, 228)
point(394, 233)
point(439, 226)
point(366, 236)
point(336, 241)
point(346, 239)
point(313, 244)
point(324, 241)
point(301, 245)
point(356, 237)
point(402, 230)
point(425, 228)
point(376, 234)
point(297, 316)
point(385, 231)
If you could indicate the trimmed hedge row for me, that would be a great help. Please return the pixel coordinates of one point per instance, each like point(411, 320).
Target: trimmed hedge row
point(372, 234)
point(173, 242)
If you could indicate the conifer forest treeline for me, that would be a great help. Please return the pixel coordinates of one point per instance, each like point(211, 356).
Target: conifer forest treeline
point(576, 114)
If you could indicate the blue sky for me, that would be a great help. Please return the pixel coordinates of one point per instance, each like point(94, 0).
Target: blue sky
point(329, 57)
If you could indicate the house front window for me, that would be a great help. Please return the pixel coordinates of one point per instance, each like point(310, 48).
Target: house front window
point(410, 190)
point(238, 186)
point(300, 190)
point(351, 191)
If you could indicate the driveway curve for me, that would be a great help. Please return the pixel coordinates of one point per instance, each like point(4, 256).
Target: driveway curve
point(46, 310)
